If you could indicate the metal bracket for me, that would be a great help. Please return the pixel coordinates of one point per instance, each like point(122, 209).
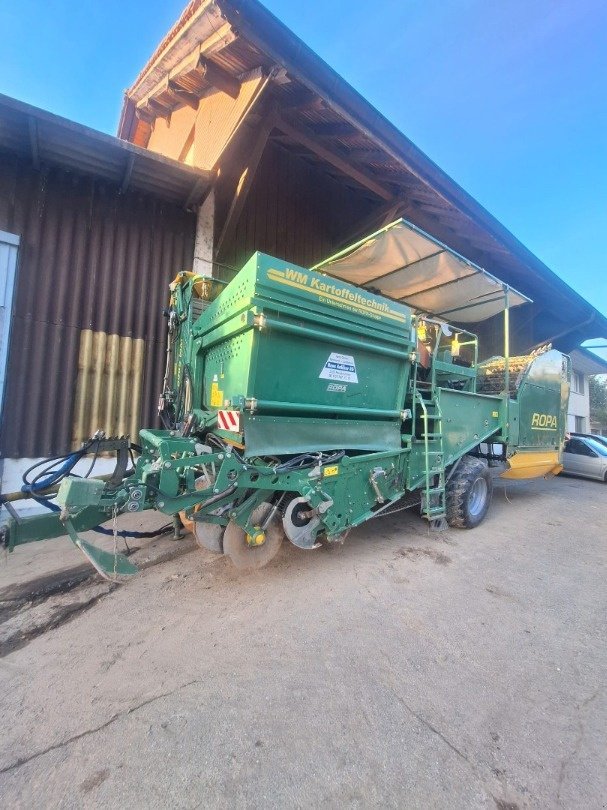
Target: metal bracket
point(109, 566)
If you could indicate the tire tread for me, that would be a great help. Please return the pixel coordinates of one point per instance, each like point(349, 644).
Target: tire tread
point(458, 488)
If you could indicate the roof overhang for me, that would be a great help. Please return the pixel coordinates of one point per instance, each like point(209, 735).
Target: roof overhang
point(404, 263)
point(46, 139)
point(324, 118)
point(587, 362)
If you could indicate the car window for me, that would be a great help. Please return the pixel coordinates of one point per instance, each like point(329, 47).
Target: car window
point(598, 448)
point(574, 446)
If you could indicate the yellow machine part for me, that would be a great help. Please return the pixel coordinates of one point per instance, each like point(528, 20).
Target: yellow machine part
point(204, 287)
point(533, 464)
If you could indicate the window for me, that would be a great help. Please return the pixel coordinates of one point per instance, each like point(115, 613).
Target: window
point(580, 424)
point(578, 448)
point(9, 244)
point(577, 383)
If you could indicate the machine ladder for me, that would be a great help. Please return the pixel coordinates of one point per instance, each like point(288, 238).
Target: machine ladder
point(433, 495)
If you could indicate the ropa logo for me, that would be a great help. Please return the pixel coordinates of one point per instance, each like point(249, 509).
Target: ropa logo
point(544, 420)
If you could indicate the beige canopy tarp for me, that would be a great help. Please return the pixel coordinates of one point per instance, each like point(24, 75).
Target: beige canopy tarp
point(406, 264)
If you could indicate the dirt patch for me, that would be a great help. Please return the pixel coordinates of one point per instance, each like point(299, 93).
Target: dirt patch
point(413, 553)
point(25, 621)
point(495, 590)
point(93, 781)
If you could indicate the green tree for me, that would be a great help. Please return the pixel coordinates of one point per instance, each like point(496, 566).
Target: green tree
point(598, 399)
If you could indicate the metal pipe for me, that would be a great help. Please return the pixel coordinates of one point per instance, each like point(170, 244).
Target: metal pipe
point(297, 407)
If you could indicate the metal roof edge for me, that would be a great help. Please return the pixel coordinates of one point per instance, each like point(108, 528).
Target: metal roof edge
point(109, 141)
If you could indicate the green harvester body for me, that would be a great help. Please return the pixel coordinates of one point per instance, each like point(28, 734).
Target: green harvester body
point(290, 384)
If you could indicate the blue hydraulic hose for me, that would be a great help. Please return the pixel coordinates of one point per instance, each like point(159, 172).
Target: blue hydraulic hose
point(52, 477)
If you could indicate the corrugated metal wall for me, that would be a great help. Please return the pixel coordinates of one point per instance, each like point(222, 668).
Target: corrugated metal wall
point(90, 259)
point(294, 211)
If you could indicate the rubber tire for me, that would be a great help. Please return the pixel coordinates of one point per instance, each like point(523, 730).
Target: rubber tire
point(459, 490)
point(251, 558)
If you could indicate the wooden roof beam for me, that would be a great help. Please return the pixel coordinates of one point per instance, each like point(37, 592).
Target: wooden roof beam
point(297, 98)
point(159, 109)
point(337, 130)
point(184, 96)
point(146, 115)
point(371, 155)
point(245, 182)
point(301, 99)
point(218, 77)
point(308, 139)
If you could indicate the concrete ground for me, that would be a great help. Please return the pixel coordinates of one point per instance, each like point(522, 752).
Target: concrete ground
point(410, 669)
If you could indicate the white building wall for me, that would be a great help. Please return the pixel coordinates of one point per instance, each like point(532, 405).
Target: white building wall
point(203, 246)
point(579, 405)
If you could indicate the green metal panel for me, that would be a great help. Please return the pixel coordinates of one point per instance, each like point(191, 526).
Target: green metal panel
point(467, 420)
point(281, 435)
point(540, 397)
point(291, 340)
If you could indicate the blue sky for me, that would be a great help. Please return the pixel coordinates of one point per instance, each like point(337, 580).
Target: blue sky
point(509, 98)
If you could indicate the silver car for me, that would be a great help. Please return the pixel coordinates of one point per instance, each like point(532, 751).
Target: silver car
point(600, 439)
point(586, 457)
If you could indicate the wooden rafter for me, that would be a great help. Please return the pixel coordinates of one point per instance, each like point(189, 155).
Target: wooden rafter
point(190, 99)
point(301, 99)
point(217, 77)
point(307, 139)
point(337, 130)
point(371, 155)
point(380, 217)
point(161, 110)
point(245, 181)
point(186, 83)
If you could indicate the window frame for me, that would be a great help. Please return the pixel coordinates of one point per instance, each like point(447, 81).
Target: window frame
point(577, 377)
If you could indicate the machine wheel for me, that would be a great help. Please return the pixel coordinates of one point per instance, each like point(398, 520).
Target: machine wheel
point(207, 535)
point(250, 558)
point(469, 494)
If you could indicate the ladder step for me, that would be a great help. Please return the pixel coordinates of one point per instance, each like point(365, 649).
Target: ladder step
point(436, 490)
point(433, 435)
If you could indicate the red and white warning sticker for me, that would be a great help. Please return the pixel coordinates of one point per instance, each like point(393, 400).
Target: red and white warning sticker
point(229, 420)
